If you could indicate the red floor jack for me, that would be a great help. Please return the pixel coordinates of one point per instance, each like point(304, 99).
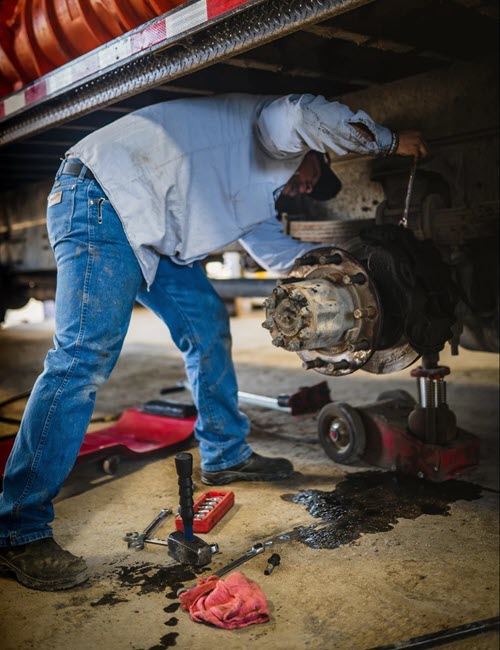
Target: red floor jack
point(156, 425)
point(397, 433)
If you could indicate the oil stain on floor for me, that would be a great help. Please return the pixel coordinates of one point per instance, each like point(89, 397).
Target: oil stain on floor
point(151, 578)
point(372, 502)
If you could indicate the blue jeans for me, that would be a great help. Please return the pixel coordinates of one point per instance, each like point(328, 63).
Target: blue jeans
point(98, 281)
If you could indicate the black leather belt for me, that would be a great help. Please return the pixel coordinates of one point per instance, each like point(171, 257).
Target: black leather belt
point(74, 168)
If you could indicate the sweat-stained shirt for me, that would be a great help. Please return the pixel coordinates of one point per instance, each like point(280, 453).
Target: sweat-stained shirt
point(189, 176)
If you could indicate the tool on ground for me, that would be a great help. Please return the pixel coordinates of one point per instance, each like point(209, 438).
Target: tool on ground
point(209, 508)
point(307, 399)
point(256, 549)
point(183, 545)
point(444, 636)
point(137, 540)
point(404, 219)
point(272, 563)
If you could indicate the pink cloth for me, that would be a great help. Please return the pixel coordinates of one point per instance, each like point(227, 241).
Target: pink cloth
point(230, 603)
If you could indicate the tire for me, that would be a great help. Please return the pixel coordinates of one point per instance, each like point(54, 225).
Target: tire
point(398, 395)
point(341, 433)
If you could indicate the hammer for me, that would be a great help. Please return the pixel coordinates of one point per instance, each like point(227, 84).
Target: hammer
point(183, 545)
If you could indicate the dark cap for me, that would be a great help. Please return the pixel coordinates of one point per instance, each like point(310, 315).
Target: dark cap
point(328, 185)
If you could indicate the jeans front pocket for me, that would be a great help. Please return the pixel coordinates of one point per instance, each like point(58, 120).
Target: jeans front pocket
point(60, 209)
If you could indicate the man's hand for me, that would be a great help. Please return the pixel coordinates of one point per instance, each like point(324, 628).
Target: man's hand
point(411, 143)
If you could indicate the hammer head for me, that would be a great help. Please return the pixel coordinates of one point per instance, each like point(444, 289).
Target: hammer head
point(195, 552)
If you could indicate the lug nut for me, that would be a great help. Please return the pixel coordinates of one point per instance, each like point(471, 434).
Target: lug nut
point(365, 312)
point(308, 260)
point(313, 363)
point(359, 345)
point(305, 333)
point(278, 342)
point(358, 278)
point(294, 346)
point(338, 365)
point(269, 303)
point(267, 324)
point(330, 259)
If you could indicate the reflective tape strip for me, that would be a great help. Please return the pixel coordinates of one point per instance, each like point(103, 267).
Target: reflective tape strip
point(14, 103)
point(59, 79)
point(116, 51)
point(35, 92)
point(150, 35)
point(178, 21)
point(217, 7)
point(184, 20)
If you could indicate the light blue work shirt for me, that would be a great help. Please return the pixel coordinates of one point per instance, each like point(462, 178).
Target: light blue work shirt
point(189, 176)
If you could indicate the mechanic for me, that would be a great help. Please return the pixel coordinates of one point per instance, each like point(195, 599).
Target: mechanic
point(134, 207)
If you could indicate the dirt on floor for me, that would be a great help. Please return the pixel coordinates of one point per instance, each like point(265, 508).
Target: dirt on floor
point(367, 558)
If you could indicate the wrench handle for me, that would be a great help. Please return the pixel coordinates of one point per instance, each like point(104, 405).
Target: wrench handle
point(255, 550)
point(163, 514)
point(404, 219)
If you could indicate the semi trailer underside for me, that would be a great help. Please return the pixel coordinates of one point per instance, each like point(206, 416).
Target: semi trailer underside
point(417, 64)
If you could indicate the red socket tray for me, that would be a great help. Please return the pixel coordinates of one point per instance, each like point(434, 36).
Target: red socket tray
point(209, 519)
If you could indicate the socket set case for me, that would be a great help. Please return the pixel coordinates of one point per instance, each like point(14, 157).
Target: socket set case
point(207, 513)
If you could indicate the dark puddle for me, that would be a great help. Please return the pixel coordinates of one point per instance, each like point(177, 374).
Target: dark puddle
point(109, 599)
point(170, 609)
point(372, 502)
point(166, 641)
point(151, 578)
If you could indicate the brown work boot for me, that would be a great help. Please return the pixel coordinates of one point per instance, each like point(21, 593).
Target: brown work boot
point(256, 468)
point(44, 565)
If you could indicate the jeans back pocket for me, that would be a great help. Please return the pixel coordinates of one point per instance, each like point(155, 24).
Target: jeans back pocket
point(60, 209)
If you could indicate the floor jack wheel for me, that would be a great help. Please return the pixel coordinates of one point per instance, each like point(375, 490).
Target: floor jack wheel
point(110, 464)
point(341, 433)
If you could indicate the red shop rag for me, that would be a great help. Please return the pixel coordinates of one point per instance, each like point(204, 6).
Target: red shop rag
point(234, 602)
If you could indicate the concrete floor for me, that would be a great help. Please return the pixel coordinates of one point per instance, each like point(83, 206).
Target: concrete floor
point(423, 575)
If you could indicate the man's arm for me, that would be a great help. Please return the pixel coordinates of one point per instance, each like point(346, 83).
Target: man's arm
point(272, 248)
point(294, 124)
